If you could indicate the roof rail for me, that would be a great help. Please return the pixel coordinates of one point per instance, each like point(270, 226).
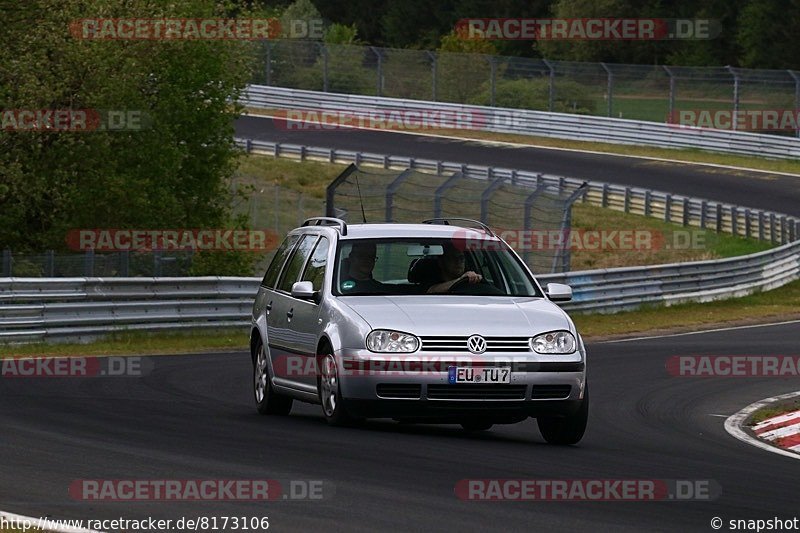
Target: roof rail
point(326, 221)
point(446, 221)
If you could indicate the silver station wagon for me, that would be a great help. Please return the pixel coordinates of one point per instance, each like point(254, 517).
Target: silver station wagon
point(438, 322)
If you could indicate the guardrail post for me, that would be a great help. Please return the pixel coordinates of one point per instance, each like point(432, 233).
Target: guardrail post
point(686, 212)
point(379, 84)
point(157, 262)
point(772, 238)
point(434, 71)
point(539, 180)
point(783, 229)
point(439, 167)
point(7, 263)
point(332, 155)
point(513, 177)
point(747, 223)
point(387, 162)
point(302, 153)
point(793, 227)
point(647, 199)
point(760, 225)
point(627, 199)
point(561, 185)
point(604, 199)
point(703, 207)
point(734, 221)
point(248, 145)
point(719, 218)
point(667, 208)
point(276, 150)
point(88, 263)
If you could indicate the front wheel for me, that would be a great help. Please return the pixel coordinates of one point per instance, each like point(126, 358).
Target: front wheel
point(568, 429)
point(330, 393)
point(268, 402)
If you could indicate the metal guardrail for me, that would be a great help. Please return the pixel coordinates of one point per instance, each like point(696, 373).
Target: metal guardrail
point(58, 309)
point(536, 123)
point(774, 227)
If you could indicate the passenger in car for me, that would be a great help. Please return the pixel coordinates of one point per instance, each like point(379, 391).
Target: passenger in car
point(357, 274)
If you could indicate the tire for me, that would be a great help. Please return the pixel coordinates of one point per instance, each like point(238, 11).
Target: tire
point(330, 395)
point(569, 429)
point(268, 402)
point(476, 426)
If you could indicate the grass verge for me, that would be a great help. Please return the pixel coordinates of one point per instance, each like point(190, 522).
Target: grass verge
point(773, 410)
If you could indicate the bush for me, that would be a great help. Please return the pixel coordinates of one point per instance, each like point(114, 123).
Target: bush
point(570, 97)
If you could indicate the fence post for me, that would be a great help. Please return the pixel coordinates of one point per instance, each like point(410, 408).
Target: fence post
point(434, 72)
point(772, 237)
point(761, 225)
point(609, 89)
point(686, 212)
point(379, 85)
point(668, 208)
point(703, 206)
point(671, 107)
point(734, 122)
point(124, 263)
point(719, 218)
point(88, 263)
point(796, 79)
point(551, 92)
point(324, 51)
point(156, 263)
point(734, 221)
point(51, 263)
point(647, 200)
point(7, 271)
point(269, 64)
point(747, 223)
point(627, 199)
point(604, 199)
point(493, 79)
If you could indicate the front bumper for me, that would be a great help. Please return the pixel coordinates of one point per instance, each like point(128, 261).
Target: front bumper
point(416, 386)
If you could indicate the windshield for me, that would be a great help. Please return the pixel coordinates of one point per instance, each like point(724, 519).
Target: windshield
point(428, 266)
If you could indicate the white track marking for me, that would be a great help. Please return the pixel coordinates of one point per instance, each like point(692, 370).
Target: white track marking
point(700, 332)
point(733, 425)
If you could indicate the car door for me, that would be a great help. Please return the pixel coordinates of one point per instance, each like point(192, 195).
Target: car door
point(268, 300)
point(304, 322)
point(285, 349)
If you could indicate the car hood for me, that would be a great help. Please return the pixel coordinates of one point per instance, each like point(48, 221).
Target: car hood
point(460, 315)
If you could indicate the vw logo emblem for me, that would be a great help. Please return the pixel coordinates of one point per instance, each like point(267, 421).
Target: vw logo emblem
point(476, 344)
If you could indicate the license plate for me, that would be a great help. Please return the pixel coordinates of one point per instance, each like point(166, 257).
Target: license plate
point(466, 374)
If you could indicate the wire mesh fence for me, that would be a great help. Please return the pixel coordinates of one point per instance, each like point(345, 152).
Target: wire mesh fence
point(516, 210)
point(641, 92)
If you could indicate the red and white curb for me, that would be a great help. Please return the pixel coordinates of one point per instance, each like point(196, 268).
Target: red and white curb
point(774, 432)
point(782, 431)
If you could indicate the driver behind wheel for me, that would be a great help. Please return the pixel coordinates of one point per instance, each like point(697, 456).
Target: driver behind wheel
point(451, 268)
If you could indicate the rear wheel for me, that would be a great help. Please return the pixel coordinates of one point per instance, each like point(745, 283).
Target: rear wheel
point(268, 402)
point(330, 393)
point(568, 429)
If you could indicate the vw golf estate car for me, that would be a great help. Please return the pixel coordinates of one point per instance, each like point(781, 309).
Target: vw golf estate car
point(435, 322)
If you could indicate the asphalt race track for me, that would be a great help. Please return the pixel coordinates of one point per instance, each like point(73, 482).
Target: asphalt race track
point(192, 417)
point(777, 192)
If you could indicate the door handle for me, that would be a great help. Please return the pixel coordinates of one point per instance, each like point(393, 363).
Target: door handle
point(290, 313)
point(269, 307)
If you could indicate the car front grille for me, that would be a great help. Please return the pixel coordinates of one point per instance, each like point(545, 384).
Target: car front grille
point(459, 344)
point(550, 392)
point(399, 390)
point(476, 392)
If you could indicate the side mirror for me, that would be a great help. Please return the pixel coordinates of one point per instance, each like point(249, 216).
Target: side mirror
point(303, 290)
point(558, 292)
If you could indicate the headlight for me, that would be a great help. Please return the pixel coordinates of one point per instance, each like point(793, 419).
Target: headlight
point(558, 342)
point(382, 340)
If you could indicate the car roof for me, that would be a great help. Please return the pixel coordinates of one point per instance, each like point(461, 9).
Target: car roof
point(445, 231)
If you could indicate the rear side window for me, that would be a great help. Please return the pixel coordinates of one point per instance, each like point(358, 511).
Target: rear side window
point(315, 270)
point(296, 262)
point(277, 261)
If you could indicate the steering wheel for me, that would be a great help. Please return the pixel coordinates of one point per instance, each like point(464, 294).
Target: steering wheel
point(483, 287)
